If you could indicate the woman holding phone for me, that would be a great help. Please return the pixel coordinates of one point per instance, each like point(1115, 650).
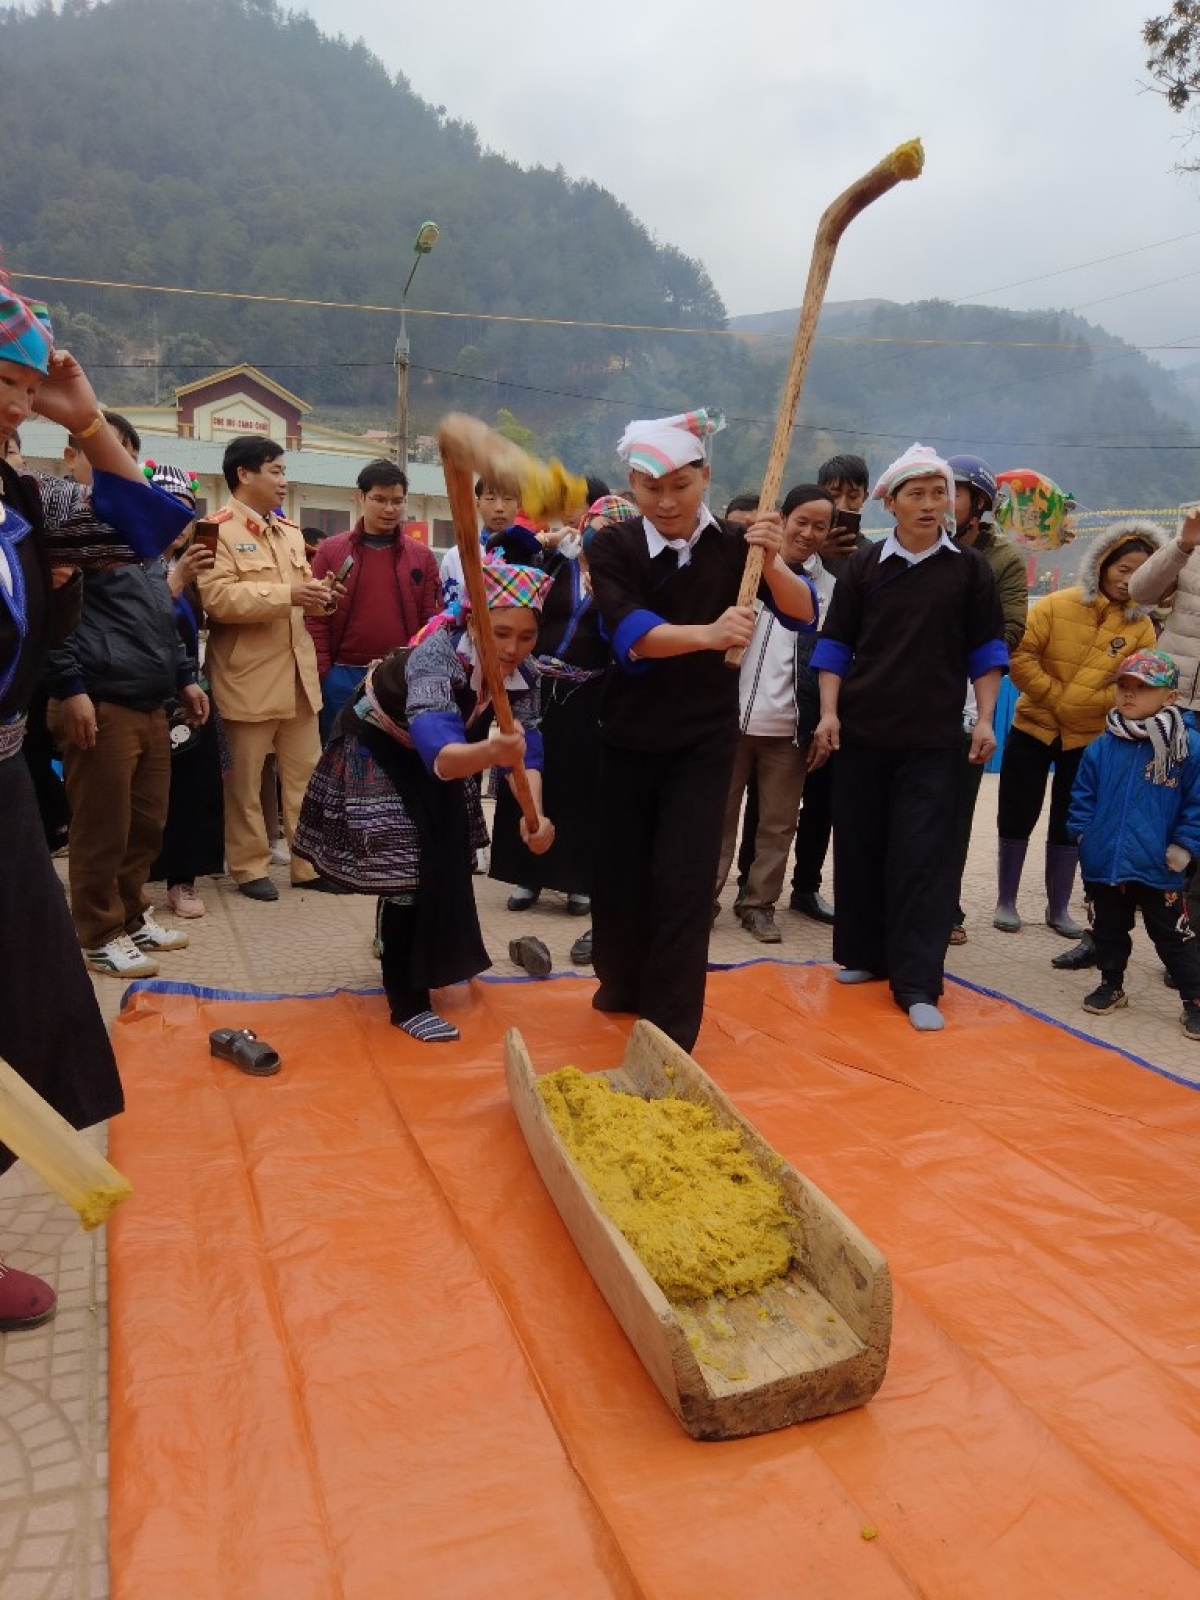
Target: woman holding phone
point(193, 842)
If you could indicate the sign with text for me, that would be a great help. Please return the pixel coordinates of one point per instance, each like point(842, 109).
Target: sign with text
point(238, 414)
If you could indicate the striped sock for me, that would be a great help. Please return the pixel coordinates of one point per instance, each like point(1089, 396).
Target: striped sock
point(429, 1028)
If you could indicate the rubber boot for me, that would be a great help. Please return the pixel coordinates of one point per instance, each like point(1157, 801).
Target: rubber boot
point(1011, 860)
point(1061, 862)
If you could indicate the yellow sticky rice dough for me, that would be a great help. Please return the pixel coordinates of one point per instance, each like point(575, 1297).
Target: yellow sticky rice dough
point(685, 1192)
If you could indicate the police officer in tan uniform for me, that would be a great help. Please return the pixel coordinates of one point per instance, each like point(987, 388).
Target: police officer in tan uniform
point(260, 658)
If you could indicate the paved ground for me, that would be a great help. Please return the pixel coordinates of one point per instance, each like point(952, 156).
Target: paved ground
point(53, 1395)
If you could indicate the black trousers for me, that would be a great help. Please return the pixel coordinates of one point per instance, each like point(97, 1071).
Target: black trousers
point(968, 797)
point(895, 865)
point(1023, 773)
point(396, 930)
point(1112, 911)
point(812, 831)
point(40, 751)
point(658, 848)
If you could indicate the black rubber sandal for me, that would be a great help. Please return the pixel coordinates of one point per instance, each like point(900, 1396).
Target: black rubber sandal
point(246, 1050)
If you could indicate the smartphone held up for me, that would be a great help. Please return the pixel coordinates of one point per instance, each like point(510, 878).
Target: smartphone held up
point(843, 532)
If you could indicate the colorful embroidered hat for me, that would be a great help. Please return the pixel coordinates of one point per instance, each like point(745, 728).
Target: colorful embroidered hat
point(26, 336)
point(507, 586)
point(665, 444)
point(1151, 667)
point(183, 485)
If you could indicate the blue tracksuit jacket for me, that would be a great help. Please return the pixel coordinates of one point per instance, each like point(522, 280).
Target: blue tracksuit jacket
point(1124, 821)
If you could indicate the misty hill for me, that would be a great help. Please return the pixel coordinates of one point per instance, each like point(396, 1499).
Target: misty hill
point(228, 145)
point(1041, 389)
point(782, 324)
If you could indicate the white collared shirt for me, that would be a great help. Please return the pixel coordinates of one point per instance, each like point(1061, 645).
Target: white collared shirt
point(656, 544)
point(893, 547)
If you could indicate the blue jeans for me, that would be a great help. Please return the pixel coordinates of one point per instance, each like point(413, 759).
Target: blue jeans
point(338, 684)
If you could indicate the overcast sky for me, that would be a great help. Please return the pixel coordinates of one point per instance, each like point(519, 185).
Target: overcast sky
point(727, 127)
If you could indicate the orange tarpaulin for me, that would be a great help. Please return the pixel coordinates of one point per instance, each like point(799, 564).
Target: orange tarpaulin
point(354, 1352)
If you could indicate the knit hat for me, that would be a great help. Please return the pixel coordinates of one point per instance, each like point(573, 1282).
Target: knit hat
point(26, 336)
point(1151, 667)
point(663, 445)
point(183, 485)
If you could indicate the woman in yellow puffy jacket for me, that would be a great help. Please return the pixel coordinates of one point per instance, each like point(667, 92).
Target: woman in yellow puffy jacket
point(1065, 667)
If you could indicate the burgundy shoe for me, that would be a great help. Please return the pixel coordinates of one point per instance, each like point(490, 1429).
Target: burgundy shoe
point(25, 1301)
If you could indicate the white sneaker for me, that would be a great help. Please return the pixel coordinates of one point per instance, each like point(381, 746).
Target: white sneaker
point(279, 853)
point(120, 958)
point(184, 901)
point(153, 936)
point(483, 860)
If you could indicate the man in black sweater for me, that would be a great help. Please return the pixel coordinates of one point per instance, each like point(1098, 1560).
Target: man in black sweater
point(666, 587)
point(912, 619)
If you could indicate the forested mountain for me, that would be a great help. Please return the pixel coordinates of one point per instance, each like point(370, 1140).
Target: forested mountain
point(1035, 389)
point(227, 145)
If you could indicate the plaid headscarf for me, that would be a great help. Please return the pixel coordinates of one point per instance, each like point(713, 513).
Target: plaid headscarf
point(665, 444)
point(609, 508)
point(505, 587)
point(26, 336)
point(613, 508)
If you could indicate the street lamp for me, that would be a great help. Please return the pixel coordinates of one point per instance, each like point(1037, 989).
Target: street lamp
point(427, 237)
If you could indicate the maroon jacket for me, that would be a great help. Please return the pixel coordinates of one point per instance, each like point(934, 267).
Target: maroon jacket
point(417, 595)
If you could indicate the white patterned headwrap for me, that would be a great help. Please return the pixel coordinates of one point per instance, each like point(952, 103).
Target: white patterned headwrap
point(665, 444)
point(918, 461)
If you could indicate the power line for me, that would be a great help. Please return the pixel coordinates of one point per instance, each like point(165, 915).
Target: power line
point(348, 305)
point(1021, 283)
point(625, 404)
point(612, 327)
point(862, 433)
point(1059, 272)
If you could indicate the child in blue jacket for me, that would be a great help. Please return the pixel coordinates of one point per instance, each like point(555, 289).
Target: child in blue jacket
point(1135, 810)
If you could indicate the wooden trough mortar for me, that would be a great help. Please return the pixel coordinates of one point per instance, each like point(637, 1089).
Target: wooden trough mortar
point(812, 1343)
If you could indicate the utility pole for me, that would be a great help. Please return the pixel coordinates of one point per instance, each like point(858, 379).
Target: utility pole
point(401, 359)
point(427, 237)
